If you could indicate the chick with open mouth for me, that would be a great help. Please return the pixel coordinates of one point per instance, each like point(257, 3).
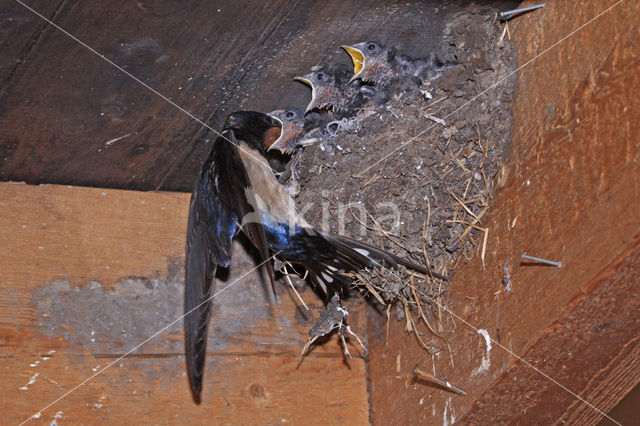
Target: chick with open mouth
point(333, 90)
point(376, 64)
point(372, 62)
point(296, 132)
point(325, 93)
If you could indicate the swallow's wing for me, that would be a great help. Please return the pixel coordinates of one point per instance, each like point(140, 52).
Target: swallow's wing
point(218, 204)
point(252, 226)
point(212, 225)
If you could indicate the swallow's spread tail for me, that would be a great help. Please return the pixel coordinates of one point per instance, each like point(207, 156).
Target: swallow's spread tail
point(342, 255)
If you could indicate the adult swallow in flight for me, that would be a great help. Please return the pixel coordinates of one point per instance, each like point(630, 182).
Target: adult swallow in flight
point(237, 190)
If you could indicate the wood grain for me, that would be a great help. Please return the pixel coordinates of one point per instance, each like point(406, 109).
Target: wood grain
point(69, 117)
point(569, 193)
point(87, 275)
point(19, 32)
point(243, 390)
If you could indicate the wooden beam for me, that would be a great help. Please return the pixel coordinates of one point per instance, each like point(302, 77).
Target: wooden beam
point(71, 118)
point(568, 192)
point(593, 351)
point(87, 275)
point(19, 33)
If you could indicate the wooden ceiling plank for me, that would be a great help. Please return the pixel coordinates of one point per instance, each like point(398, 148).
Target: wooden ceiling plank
point(19, 33)
point(74, 119)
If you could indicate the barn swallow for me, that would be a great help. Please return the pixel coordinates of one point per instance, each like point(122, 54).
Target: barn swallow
point(382, 66)
point(332, 89)
point(237, 190)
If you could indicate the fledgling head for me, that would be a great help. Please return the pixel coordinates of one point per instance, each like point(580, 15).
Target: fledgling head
point(295, 131)
point(258, 130)
point(407, 67)
point(292, 124)
point(372, 62)
point(323, 89)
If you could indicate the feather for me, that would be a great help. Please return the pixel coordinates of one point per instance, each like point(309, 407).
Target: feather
point(218, 203)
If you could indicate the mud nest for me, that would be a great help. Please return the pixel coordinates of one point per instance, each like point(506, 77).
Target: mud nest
point(415, 176)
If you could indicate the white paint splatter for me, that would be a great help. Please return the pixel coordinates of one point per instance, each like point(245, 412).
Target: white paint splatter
point(451, 419)
point(487, 339)
point(99, 403)
point(31, 381)
point(486, 359)
point(36, 415)
point(108, 143)
point(445, 421)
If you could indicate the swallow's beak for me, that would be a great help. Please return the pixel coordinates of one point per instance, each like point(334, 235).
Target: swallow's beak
point(358, 60)
point(306, 81)
point(273, 138)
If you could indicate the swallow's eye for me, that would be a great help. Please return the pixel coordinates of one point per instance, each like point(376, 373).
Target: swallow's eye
point(290, 114)
point(371, 46)
point(404, 67)
point(320, 76)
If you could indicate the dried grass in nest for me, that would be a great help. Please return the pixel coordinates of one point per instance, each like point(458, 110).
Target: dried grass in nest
point(417, 295)
point(459, 140)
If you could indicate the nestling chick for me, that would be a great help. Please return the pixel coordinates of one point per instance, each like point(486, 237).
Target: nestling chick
point(331, 89)
point(383, 66)
point(297, 132)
